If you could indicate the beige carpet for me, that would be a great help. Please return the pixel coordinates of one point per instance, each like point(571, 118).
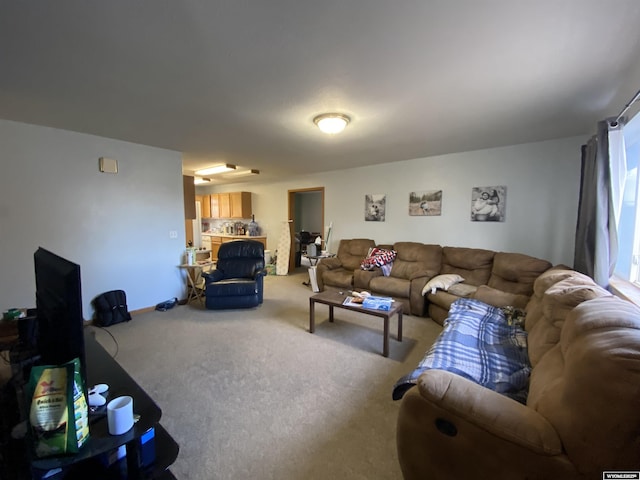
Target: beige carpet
point(251, 394)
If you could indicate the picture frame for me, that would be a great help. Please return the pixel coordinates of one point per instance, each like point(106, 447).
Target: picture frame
point(425, 203)
point(375, 207)
point(488, 204)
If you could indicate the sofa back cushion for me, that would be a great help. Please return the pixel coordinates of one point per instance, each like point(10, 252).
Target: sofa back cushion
point(515, 272)
point(472, 264)
point(351, 252)
point(586, 386)
point(556, 293)
point(415, 259)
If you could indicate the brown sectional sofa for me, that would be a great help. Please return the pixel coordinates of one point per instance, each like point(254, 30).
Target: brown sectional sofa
point(501, 278)
point(581, 414)
point(492, 276)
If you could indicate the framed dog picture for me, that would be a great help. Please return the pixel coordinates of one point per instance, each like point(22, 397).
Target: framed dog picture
point(427, 203)
point(374, 207)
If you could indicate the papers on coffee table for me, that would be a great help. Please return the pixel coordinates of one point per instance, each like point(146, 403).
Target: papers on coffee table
point(378, 303)
point(373, 302)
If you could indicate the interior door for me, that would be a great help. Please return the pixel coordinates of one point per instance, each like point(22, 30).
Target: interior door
point(306, 210)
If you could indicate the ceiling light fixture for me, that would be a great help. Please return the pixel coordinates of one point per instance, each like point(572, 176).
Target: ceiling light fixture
point(225, 167)
point(331, 123)
point(242, 173)
point(200, 180)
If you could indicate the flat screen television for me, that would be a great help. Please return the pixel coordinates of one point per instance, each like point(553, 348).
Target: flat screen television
point(60, 324)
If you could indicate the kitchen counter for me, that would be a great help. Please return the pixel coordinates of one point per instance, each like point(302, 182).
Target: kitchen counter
point(213, 241)
point(235, 237)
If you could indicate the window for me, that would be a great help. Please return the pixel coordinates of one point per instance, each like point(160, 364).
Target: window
point(628, 264)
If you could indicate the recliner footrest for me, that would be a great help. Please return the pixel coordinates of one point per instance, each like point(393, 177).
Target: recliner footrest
point(232, 287)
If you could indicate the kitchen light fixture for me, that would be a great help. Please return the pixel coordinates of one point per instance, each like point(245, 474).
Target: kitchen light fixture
point(331, 123)
point(242, 173)
point(200, 180)
point(225, 167)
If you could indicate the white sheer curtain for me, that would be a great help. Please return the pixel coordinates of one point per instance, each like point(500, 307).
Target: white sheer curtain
point(601, 188)
point(617, 166)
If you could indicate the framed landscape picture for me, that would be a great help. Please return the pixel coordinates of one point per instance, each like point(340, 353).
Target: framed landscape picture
point(375, 207)
point(428, 203)
point(488, 204)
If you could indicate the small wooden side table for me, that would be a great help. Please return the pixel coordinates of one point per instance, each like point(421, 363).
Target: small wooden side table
point(194, 275)
point(314, 259)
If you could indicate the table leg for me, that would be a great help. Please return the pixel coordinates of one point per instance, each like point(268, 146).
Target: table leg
point(197, 274)
point(192, 287)
point(385, 344)
point(400, 326)
point(312, 316)
point(331, 313)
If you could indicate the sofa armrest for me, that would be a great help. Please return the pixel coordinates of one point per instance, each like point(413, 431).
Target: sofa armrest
point(330, 263)
point(213, 276)
point(490, 411)
point(418, 301)
point(361, 278)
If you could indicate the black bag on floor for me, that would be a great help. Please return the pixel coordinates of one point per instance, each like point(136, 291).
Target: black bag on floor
point(111, 307)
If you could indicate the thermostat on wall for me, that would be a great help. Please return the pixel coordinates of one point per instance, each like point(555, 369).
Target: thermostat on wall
point(108, 165)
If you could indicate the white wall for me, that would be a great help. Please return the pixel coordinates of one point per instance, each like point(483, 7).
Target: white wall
point(116, 227)
point(542, 181)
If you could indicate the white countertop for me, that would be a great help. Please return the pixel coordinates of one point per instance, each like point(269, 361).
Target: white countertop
point(226, 235)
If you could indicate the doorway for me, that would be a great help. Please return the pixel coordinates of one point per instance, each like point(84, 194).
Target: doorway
point(306, 211)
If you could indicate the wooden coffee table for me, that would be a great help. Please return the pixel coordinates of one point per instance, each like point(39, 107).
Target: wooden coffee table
point(335, 299)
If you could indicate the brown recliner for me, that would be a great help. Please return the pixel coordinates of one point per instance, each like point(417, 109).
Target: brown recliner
point(337, 272)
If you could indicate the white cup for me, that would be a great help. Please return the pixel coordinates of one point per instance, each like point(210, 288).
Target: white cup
point(120, 415)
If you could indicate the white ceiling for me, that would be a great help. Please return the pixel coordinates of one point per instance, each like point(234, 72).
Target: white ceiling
point(240, 81)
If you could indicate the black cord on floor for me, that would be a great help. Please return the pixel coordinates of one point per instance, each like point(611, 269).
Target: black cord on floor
point(112, 337)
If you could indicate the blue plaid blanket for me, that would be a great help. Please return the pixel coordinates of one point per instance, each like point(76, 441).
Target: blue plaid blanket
point(477, 343)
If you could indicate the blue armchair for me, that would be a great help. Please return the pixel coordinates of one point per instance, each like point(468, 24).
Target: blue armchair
point(237, 281)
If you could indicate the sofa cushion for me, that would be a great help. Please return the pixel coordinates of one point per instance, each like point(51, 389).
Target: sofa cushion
point(587, 385)
point(352, 252)
point(362, 278)
point(499, 298)
point(462, 290)
point(390, 286)
point(415, 259)
point(339, 278)
point(546, 315)
point(477, 343)
point(516, 273)
point(555, 275)
point(442, 299)
point(473, 264)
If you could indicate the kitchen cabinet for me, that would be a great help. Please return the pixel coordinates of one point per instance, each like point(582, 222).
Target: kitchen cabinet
point(189, 193)
point(231, 205)
point(215, 246)
point(225, 205)
point(240, 204)
point(205, 205)
point(217, 240)
point(214, 203)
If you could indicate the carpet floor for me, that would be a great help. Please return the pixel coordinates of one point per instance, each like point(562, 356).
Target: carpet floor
point(251, 394)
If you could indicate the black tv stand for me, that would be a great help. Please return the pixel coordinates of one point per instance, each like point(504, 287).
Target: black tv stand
point(102, 368)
